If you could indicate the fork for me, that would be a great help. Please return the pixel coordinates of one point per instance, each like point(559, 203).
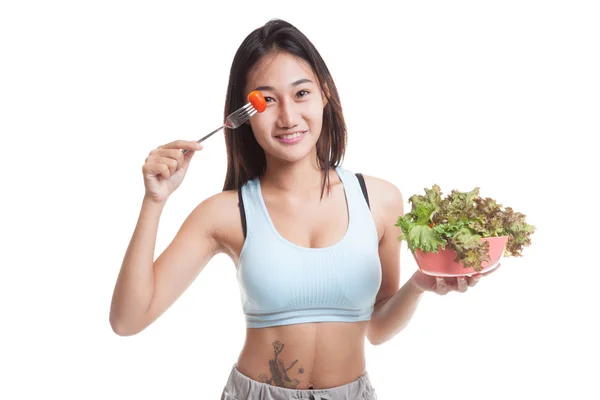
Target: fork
point(234, 120)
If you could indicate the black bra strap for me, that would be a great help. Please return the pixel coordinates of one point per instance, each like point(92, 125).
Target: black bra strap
point(242, 211)
point(363, 186)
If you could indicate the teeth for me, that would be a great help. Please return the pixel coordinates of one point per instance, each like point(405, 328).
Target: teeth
point(292, 136)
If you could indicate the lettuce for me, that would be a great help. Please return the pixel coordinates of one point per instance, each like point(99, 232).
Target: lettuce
point(458, 222)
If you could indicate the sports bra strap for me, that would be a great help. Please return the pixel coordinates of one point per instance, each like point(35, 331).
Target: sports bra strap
point(361, 181)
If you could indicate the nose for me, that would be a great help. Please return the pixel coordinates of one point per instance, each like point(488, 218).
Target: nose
point(288, 115)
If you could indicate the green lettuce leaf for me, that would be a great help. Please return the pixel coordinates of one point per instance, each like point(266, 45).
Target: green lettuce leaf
point(424, 238)
point(459, 221)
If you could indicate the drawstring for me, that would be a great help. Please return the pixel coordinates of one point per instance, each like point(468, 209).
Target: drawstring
point(317, 396)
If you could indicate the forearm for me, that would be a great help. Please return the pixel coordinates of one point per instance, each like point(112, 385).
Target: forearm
point(392, 315)
point(135, 283)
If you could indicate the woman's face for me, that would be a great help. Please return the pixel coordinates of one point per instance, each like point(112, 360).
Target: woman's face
point(289, 128)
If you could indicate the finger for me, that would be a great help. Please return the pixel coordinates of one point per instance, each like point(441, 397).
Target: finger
point(172, 164)
point(157, 169)
point(452, 284)
point(187, 157)
point(461, 284)
point(439, 281)
point(155, 157)
point(441, 287)
point(175, 154)
point(182, 145)
point(473, 280)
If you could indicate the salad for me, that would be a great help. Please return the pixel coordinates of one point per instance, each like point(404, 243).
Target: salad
point(458, 222)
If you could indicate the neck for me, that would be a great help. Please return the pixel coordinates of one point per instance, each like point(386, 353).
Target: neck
point(299, 176)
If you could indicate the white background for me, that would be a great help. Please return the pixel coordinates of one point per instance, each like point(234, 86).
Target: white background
point(500, 95)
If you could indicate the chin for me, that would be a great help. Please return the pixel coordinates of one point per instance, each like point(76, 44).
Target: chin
point(294, 154)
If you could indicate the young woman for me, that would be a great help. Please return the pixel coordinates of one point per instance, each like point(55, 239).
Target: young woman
point(315, 245)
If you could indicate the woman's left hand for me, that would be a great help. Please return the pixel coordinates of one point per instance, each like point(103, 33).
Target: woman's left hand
point(445, 285)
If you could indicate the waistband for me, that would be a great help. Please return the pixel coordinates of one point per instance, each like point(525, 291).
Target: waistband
point(239, 387)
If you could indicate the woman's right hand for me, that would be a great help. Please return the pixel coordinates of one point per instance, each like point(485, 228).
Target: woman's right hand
point(165, 168)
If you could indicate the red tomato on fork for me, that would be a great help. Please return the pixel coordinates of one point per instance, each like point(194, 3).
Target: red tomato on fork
point(257, 100)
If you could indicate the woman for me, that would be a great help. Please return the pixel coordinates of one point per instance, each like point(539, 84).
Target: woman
point(315, 245)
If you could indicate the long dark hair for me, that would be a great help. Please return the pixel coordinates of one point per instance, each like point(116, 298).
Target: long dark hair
point(245, 158)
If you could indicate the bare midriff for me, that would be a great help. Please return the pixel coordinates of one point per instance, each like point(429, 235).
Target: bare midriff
point(318, 355)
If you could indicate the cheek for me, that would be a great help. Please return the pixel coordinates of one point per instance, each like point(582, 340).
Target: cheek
point(315, 116)
point(260, 125)
point(261, 129)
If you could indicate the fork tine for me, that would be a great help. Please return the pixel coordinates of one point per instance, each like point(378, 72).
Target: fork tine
point(234, 120)
point(250, 114)
point(244, 109)
point(240, 116)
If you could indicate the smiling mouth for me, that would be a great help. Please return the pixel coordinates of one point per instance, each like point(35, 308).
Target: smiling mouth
point(290, 136)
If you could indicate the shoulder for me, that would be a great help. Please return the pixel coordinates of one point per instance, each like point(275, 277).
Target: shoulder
point(387, 204)
point(217, 210)
point(384, 194)
point(218, 201)
point(218, 217)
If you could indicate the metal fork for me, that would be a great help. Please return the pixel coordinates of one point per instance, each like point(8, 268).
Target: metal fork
point(234, 120)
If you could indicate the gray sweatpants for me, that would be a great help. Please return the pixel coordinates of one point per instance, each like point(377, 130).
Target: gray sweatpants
point(240, 387)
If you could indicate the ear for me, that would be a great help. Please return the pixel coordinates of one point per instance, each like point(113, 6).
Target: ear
point(324, 99)
point(325, 94)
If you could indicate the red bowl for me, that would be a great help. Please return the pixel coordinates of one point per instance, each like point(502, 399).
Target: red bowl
point(442, 263)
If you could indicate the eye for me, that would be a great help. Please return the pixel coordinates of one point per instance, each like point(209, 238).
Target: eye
point(302, 93)
point(269, 99)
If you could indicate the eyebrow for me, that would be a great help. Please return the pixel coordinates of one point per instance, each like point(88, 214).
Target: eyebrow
point(297, 83)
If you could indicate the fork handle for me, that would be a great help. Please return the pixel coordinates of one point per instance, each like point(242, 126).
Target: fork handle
point(206, 137)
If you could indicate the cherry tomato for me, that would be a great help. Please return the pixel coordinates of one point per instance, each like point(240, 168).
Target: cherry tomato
point(258, 101)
